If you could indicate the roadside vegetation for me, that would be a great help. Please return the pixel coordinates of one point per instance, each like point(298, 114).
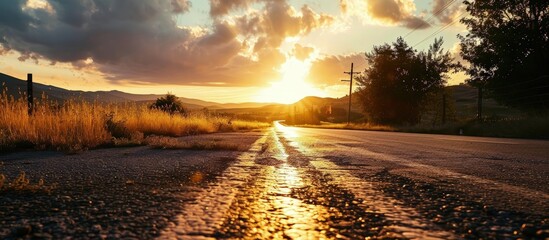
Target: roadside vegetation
point(404, 89)
point(78, 125)
point(159, 142)
point(22, 184)
point(399, 80)
point(532, 127)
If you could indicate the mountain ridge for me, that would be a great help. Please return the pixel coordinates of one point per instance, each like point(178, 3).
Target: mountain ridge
point(16, 86)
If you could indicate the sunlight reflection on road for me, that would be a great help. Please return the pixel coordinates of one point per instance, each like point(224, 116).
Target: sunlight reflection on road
point(299, 218)
point(278, 149)
point(273, 213)
point(288, 132)
point(283, 188)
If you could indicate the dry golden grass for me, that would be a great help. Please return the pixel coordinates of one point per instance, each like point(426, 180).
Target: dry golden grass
point(22, 184)
point(77, 125)
point(171, 143)
point(74, 126)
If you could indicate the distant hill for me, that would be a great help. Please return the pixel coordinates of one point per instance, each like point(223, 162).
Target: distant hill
point(464, 98)
point(16, 86)
point(238, 105)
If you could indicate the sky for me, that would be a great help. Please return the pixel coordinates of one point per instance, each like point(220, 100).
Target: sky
point(215, 50)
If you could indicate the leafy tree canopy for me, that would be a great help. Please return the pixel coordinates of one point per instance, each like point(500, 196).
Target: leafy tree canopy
point(399, 79)
point(169, 103)
point(507, 47)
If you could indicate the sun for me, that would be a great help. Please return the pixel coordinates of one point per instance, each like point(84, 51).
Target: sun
point(292, 87)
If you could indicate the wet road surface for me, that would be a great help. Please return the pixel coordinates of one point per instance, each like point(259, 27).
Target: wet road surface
point(300, 183)
point(293, 183)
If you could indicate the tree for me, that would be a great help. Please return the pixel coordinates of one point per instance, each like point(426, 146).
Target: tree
point(399, 79)
point(507, 47)
point(170, 104)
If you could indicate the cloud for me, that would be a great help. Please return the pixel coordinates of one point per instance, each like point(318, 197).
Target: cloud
point(456, 53)
point(343, 5)
point(278, 21)
point(139, 41)
point(301, 52)
point(413, 22)
point(311, 20)
point(11, 13)
point(222, 7)
point(446, 11)
point(329, 70)
point(391, 12)
point(180, 6)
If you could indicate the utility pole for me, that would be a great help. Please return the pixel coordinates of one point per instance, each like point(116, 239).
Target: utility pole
point(30, 99)
point(350, 91)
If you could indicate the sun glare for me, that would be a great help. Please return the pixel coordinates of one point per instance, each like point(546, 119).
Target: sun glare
point(292, 87)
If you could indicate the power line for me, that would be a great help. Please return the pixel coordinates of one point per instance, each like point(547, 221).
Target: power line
point(441, 29)
point(446, 6)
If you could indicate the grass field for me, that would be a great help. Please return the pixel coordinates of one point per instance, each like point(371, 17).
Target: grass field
point(79, 125)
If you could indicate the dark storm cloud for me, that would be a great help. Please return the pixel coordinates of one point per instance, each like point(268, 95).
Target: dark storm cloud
point(74, 13)
point(139, 41)
point(126, 39)
point(12, 15)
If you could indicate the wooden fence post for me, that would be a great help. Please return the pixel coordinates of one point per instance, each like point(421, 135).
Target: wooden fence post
point(30, 98)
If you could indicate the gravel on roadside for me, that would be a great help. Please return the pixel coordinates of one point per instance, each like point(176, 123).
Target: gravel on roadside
point(108, 193)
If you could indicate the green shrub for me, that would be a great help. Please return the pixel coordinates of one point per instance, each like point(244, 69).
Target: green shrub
point(170, 104)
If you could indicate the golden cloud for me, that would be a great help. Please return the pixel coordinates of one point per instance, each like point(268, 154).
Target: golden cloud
point(329, 70)
point(391, 12)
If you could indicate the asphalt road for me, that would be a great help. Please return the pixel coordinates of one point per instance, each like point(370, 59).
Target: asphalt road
point(500, 168)
point(295, 183)
point(319, 183)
